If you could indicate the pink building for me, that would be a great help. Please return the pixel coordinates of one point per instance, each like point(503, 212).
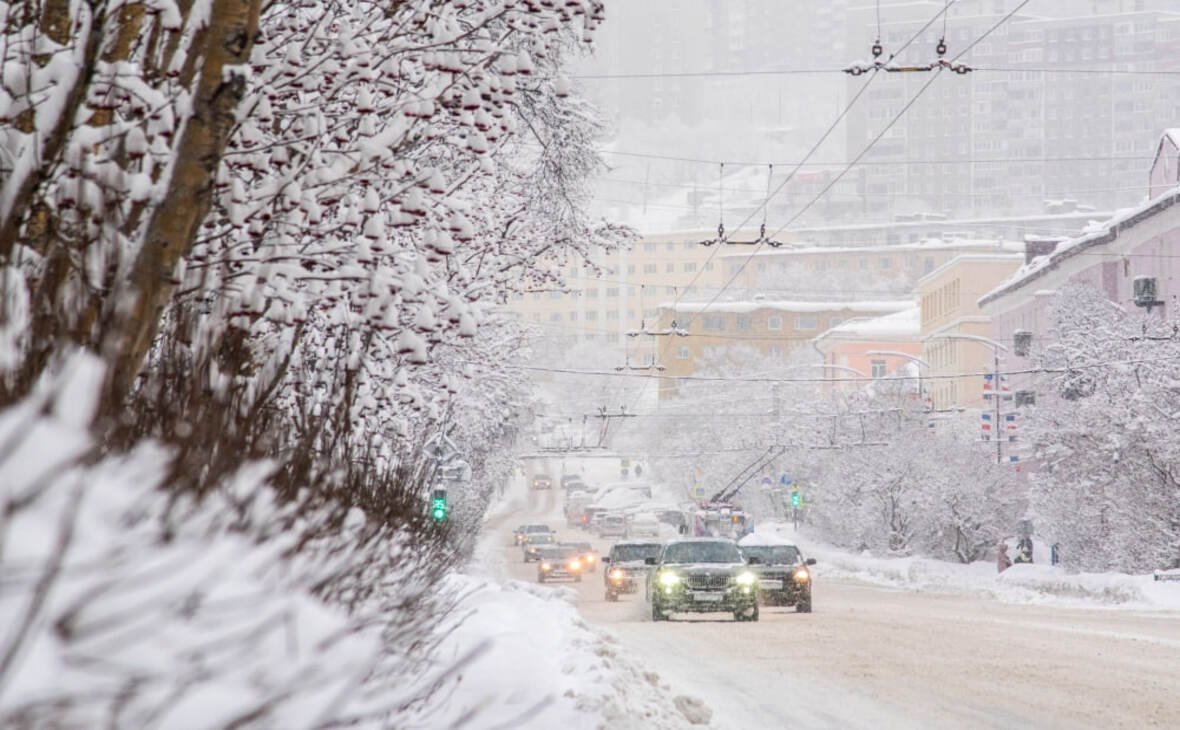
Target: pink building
point(1139, 242)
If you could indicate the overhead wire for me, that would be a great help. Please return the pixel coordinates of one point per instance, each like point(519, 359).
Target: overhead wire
point(814, 148)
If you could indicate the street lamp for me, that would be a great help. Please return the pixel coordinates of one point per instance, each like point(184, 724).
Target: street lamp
point(996, 347)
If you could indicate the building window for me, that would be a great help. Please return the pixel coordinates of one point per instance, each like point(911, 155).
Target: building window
point(649, 247)
point(713, 323)
point(878, 368)
point(885, 262)
point(742, 323)
point(630, 314)
point(573, 316)
point(806, 322)
point(669, 290)
point(555, 295)
point(612, 314)
point(670, 268)
point(690, 267)
point(864, 263)
point(683, 353)
point(834, 321)
point(536, 316)
point(612, 291)
point(774, 322)
point(591, 293)
point(630, 268)
point(774, 351)
point(591, 316)
point(536, 296)
point(709, 266)
point(555, 316)
point(650, 268)
point(671, 246)
point(689, 245)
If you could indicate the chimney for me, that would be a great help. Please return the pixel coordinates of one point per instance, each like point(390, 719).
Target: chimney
point(1035, 246)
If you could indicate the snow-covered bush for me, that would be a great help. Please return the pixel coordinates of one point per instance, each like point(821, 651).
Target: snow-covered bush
point(1107, 432)
point(123, 607)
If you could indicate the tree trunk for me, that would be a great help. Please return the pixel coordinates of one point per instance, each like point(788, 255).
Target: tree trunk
point(228, 40)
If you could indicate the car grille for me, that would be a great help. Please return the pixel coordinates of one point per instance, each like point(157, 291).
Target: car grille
point(774, 575)
point(708, 582)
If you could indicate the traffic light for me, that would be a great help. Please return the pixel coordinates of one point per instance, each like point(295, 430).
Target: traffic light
point(438, 508)
point(796, 499)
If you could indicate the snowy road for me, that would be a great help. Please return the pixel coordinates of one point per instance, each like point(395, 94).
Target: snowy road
point(873, 657)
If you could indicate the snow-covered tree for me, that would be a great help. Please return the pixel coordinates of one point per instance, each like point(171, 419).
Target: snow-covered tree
point(1106, 431)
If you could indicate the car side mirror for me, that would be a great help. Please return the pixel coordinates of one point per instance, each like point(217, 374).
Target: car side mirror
point(811, 561)
point(606, 558)
point(649, 561)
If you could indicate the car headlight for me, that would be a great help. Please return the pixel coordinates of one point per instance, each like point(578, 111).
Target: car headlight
point(802, 575)
point(546, 566)
point(589, 558)
point(745, 578)
point(616, 574)
point(575, 565)
point(669, 579)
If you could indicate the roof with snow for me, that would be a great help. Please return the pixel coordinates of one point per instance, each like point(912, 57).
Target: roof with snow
point(763, 539)
point(906, 324)
point(927, 244)
point(746, 306)
point(1095, 235)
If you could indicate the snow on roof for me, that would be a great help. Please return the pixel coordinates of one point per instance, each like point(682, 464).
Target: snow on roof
point(762, 539)
point(1096, 235)
point(1173, 135)
point(926, 244)
point(746, 306)
point(906, 323)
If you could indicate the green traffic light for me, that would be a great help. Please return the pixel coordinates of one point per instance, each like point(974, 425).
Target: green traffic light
point(796, 500)
point(439, 508)
point(440, 513)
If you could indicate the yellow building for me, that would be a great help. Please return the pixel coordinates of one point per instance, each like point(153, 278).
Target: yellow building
point(625, 297)
point(737, 332)
point(948, 297)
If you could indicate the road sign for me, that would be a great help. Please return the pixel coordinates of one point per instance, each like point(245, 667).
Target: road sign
point(698, 492)
point(783, 480)
point(766, 481)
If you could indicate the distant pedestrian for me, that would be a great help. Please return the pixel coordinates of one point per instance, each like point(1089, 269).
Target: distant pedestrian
point(1055, 554)
point(1024, 551)
point(638, 471)
point(1003, 562)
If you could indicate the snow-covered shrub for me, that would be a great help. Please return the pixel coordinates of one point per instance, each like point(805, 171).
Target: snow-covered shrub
point(122, 605)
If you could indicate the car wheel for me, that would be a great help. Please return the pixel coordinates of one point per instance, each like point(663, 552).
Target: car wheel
point(540, 578)
point(656, 613)
point(803, 606)
point(746, 614)
point(577, 579)
point(612, 597)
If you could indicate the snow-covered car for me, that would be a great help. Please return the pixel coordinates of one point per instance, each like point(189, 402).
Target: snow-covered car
point(531, 546)
point(587, 554)
point(558, 562)
point(783, 575)
point(569, 479)
point(702, 575)
point(592, 516)
point(643, 525)
point(625, 568)
point(612, 525)
point(542, 481)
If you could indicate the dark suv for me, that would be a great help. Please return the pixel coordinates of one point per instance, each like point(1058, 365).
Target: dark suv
point(783, 577)
point(703, 575)
point(625, 568)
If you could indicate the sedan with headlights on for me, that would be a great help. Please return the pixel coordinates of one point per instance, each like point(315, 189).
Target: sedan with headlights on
point(558, 562)
point(784, 577)
point(703, 575)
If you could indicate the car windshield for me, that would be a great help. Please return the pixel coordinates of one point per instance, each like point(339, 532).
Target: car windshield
point(702, 552)
point(536, 528)
point(541, 539)
point(772, 554)
point(625, 553)
point(557, 553)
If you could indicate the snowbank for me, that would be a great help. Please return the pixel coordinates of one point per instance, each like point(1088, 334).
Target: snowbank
point(1035, 583)
point(541, 665)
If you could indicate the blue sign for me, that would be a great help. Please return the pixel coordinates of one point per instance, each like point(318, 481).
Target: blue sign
point(783, 480)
